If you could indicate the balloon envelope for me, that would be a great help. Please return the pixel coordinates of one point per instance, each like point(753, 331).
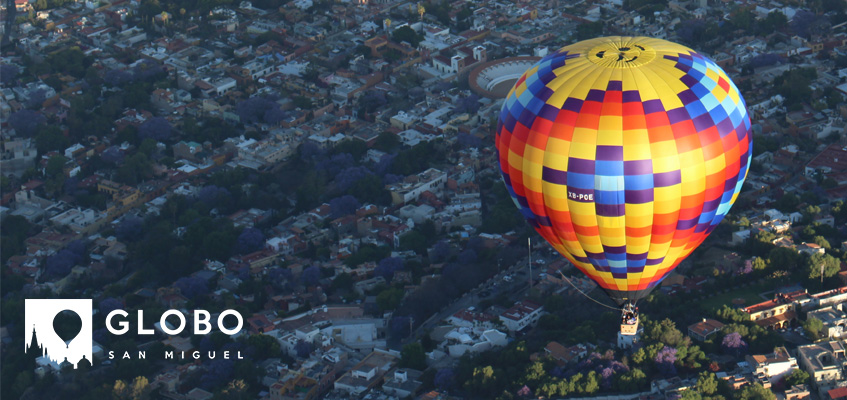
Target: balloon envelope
point(67, 324)
point(624, 153)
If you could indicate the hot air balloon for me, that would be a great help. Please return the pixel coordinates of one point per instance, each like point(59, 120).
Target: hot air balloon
point(67, 324)
point(624, 153)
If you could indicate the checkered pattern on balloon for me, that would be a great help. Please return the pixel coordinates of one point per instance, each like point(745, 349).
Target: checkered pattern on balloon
point(624, 153)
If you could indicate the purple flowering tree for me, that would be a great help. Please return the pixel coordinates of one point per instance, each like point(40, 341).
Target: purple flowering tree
point(156, 128)
point(440, 252)
point(665, 359)
point(191, 287)
point(281, 278)
point(734, 344)
point(116, 77)
point(70, 185)
point(147, 70)
point(388, 266)
point(60, 264)
point(311, 276)
point(349, 176)
point(130, 228)
point(524, 392)
point(256, 109)
point(335, 164)
point(112, 155)
point(445, 378)
point(109, 304)
point(213, 196)
point(391, 178)
point(25, 121)
point(344, 205)
point(250, 240)
point(218, 372)
point(467, 257)
point(8, 73)
point(400, 326)
point(384, 164)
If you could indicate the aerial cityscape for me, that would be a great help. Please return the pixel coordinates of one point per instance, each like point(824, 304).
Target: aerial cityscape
point(329, 199)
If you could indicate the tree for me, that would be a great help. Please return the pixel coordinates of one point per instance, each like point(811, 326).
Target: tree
point(707, 383)
point(55, 166)
point(59, 265)
point(109, 304)
point(50, 137)
point(755, 392)
point(813, 266)
point(120, 391)
point(235, 390)
point(413, 356)
point(137, 390)
point(589, 30)
point(782, 258)
point(140, 388)
point(813, 327)
point(797, 377)
point(250, 240)
point(25, 122)
point(788, 202)
point(8, 73)
point(344, 205)
point(759, 264)
point(733, 343)
point(388, 266)
point(15, 230)
point(665, 359)
point(303, 349)
point(386, 141)
point(632, 381)
point(156, 128)
point(191, 287)
point(445, 378)
point(342, 280)
point(406, 34)
point(389, 299)
point(129, 229)
point(821, 241)
point(664, 332)
point(311, 276)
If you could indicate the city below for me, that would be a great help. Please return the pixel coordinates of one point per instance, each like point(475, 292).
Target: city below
point(298, 200)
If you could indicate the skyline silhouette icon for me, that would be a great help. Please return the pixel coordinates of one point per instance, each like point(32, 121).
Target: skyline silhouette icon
point(40, 333)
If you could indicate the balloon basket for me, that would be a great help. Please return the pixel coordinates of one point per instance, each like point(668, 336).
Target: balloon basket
point(630, 328)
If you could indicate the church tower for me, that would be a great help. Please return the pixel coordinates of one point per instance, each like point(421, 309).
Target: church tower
point(33, 344)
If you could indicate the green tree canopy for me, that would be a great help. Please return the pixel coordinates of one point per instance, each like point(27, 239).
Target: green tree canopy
point(413, 356)
point(830, 264)
point(406, 34)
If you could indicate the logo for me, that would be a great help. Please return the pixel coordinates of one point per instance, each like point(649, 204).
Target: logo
point(60, 329)
point(42, 315)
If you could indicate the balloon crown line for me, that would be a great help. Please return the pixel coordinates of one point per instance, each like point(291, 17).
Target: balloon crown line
point(616, 54)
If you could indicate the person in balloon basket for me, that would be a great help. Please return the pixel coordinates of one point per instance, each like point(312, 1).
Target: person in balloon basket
point(630, 314)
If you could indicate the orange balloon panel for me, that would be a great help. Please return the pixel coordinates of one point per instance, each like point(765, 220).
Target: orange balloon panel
point(624, 153)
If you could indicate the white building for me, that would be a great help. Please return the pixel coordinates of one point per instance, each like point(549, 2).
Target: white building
point(524, 313)
point(361, 335)
point(773, 366)
point(470, 318)
point(431, 180)
point(80, 221)
point(462, 340)
point(834, 320)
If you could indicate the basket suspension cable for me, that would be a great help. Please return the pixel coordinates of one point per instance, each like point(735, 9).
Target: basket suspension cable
point(586, 296)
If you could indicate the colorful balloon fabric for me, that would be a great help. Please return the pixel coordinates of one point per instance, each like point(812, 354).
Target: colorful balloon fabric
point(624, 153)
